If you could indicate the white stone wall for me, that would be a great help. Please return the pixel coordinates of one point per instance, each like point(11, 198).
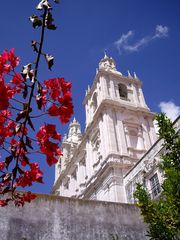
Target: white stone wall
point(51, 217)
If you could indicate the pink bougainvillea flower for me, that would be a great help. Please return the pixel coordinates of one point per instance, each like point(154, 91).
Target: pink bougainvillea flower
point(47, 147)
point(59, 90)
point(4, 99)
point(2, 165)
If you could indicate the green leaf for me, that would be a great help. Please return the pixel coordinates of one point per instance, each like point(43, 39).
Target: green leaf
point(162, 215)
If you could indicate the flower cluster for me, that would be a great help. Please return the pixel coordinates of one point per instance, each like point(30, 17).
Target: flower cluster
point(47, 147)
point(20, 199)
point(29, 176)
point(6, 126)
point(2, 165)
point(60, 94)
point(4, 96)
point(57, 92)
point(4, 202)
point(8, 62)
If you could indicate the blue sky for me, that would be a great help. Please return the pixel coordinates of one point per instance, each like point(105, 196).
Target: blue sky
point(141, 35)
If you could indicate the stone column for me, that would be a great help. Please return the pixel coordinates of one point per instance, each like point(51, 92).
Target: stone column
point(121, 134)
point(152, 132)
point(103, 84)
point(103, 137)
point(135, 94)
point(146, 135)
point(112, 89)
point(89, 161)
point(109, 128)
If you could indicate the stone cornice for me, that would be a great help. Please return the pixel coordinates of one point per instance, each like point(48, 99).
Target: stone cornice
point(125, 106)
point(107, 164)
point(120, 163)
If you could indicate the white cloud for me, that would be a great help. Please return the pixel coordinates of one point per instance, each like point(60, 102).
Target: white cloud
point(170, 109)
point(161, 31)
point(123, 45)
point(124, 39)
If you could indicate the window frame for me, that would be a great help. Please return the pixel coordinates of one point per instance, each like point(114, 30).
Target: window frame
point(155, 187)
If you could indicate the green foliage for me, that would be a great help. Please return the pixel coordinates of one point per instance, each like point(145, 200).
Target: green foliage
point(163, 216)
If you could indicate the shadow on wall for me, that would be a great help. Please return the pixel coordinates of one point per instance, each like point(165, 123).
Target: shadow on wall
point(26, 230)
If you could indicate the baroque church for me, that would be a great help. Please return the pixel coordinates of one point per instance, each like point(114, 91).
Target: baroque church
point(118, 149)
point(119, 146)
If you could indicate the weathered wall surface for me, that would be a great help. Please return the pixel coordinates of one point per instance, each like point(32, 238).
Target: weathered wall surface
point(56, 218)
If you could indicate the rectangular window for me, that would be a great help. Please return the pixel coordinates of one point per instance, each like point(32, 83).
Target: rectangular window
point(74, 174)
point(155, 186)
point(123, 91)
point(82, 162)
point(66, 185)
point(129, 193)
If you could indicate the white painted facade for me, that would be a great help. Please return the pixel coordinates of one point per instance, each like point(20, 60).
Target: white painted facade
point(102, 164)
point(146, 169)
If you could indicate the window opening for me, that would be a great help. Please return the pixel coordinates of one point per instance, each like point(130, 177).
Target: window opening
point(122, 91)
point(66, 185)
point(155, 185)
point(74, 174)
point(94, 102)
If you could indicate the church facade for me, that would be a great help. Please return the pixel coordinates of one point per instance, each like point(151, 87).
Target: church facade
point(119, 146)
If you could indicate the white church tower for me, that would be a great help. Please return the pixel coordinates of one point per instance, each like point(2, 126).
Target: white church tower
point(119, 131)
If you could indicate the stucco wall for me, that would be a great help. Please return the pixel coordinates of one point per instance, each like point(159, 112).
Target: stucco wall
point(56, 218)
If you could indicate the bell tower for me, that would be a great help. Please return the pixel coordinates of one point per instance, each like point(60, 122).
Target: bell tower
point(120, 128)
point(69, 145)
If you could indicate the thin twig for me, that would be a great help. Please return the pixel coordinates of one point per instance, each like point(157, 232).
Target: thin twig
point(31, 95)
point(15, 108)
point(14, 99)
point(40, 115)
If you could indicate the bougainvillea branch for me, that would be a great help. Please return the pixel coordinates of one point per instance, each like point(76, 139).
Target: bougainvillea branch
point(19, 94)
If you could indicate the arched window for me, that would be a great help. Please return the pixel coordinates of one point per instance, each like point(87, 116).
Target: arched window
point(94, 102)
point(122, 91)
